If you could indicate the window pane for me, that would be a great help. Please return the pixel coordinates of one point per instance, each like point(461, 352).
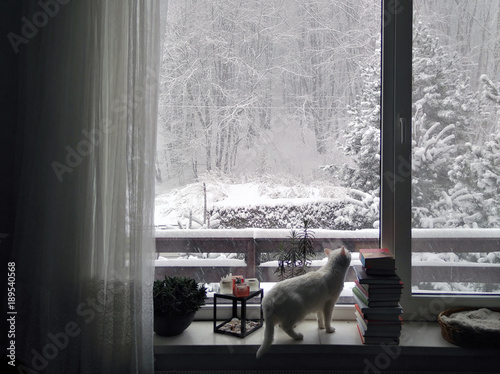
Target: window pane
point(269, 115)
point(456, 147)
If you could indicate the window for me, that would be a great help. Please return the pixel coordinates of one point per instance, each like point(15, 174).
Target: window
point(451, 224)
point(270, 113)
point(263, 116)
point(456, 148)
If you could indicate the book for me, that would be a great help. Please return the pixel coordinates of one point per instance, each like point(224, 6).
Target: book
point(375, 271)
point(378, 261)
point(380, 288)
point(378, 325)
point(365, 309)
point(375, 317)
point(376, 339)
point(378, 258)
point(371, 279)
point(379, 330)
point(386, 293)
point(371, 302)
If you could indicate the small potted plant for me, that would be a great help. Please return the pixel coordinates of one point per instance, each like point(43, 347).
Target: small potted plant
point(175, 301)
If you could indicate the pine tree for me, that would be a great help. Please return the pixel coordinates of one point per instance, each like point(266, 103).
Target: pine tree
point(491, 91)
point(476, 172)
point(443, 111)
point(488, 181)
point(475, 198)
point(443, 123)
point(362, 136)
point(362, 145)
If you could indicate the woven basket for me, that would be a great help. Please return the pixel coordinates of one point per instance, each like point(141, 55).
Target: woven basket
point(466, 337)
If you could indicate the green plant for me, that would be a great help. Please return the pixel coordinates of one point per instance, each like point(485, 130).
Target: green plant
point(177, 295)
point(296, 257)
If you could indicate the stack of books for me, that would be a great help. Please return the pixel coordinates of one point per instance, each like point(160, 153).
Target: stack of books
point(377, 293)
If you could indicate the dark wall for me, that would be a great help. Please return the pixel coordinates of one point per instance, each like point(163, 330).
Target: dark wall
point(10, 15)
point(10, 19)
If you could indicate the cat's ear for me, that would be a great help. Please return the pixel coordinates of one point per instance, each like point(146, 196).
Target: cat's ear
point(342, 251)
point(327, 252)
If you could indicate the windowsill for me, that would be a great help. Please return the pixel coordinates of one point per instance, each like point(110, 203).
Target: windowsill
point(421, 348)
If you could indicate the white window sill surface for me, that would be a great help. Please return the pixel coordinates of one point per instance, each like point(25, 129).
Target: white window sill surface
point(421, 348)
point(201, 333)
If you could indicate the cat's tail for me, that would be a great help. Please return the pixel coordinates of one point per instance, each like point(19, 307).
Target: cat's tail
point(268, 338)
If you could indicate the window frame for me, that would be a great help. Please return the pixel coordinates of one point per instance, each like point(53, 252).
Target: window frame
point(395, 215)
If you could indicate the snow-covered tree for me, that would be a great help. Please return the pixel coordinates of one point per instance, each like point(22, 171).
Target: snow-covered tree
point(477, 177)
point(444, 111)
point(480, 170)
point(362, 136)
point(235, 72)
point(362, 145)
point(474, 173)
point(491, 90)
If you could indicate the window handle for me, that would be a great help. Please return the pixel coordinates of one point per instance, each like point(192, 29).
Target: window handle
point(402, 129)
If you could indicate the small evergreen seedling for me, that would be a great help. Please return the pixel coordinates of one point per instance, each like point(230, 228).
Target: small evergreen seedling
point(295, 258)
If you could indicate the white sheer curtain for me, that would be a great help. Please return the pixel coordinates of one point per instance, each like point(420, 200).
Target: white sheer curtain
point(84, 245)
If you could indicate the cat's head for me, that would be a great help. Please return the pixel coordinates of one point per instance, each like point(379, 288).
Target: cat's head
point(341, 256)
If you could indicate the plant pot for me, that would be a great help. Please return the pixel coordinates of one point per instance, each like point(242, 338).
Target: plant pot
point(171, 325)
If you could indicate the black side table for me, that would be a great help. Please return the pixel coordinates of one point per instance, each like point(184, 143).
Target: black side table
point(243, 325)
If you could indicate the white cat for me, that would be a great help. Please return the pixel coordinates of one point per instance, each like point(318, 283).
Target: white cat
point(291, 300)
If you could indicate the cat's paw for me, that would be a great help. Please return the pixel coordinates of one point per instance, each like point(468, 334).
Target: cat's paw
point(299, 336)
point(330, 329)
point(321, 326)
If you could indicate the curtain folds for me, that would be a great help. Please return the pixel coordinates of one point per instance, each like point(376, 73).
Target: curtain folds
point(84, 240)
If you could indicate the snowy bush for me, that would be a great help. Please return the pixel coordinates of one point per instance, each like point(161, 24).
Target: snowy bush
point(324, 214)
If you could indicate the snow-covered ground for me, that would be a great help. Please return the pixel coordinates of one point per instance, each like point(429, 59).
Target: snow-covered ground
point(174, 206)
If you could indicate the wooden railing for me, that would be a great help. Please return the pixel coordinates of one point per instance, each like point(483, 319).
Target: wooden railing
point(456, 241)
point(254, 245)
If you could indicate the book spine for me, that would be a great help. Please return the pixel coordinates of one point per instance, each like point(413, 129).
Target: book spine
point(362, 259)
point(360, 294)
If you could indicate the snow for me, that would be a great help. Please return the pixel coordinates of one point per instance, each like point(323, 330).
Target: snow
point(441, 262)
point(264, 233)
point(194, 261)
point(176, 204)
point(320, 233)
point(455, 233)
